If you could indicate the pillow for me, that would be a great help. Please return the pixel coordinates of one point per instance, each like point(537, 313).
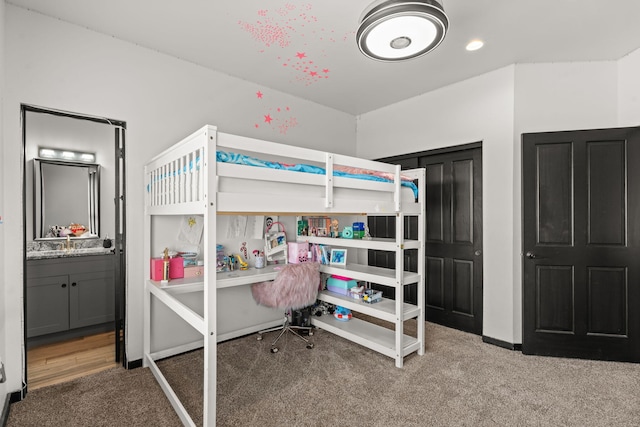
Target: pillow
point(296, 286)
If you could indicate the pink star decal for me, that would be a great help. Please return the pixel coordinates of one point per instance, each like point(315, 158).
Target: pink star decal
point(326, 70)
point(313, 73)
point(259, 94)
point(267, 118)
point(301, 55)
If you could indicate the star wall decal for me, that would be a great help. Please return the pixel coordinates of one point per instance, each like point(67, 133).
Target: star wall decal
point(277, 118)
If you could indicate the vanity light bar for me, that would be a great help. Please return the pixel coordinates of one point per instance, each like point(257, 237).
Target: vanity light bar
point(52, 153)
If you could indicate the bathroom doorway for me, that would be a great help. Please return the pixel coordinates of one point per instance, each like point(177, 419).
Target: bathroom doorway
point(74, 240)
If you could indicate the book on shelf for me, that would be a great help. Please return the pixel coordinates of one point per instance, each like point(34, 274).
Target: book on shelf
point(321, 253)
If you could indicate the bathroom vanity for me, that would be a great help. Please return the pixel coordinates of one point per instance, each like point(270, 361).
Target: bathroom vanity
point(69, 292)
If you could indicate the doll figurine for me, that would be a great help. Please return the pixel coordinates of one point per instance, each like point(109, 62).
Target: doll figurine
point(334, 227)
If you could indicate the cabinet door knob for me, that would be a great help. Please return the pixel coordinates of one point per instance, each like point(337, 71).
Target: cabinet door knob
point(73, 284)
point(64, 285)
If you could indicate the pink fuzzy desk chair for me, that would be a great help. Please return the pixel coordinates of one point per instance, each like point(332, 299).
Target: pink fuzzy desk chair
point(295, 287)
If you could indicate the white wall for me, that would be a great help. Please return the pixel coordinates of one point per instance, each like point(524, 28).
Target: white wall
point(479, 109)
point(162, 99)
point(629, 89)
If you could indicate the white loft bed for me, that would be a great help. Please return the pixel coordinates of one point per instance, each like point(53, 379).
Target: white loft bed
point(187, 179)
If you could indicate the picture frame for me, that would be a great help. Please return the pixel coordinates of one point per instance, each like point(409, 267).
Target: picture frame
point(338, 257)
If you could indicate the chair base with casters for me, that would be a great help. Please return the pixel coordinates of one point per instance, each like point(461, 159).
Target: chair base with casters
point(287, 327)
point(294, 288)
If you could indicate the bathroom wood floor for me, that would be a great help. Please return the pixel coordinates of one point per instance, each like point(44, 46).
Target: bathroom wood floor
point(56, 363)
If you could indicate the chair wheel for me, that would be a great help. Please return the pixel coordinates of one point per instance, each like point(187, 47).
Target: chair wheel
point(274, 349)
point(259, 338)
point(310, 345)
point(310, 333)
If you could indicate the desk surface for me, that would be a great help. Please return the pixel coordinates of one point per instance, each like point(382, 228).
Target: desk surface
point(228, 279)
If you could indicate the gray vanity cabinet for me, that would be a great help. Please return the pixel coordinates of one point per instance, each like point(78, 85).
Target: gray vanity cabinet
point(47, 305)
point(69, 293)
point(91, 298)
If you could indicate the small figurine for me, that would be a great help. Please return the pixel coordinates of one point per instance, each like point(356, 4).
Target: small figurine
point(334, 227)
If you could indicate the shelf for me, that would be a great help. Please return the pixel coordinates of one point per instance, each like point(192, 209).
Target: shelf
point(373, 243)
point(384, 310)
point(367, 334)
point(382, 276)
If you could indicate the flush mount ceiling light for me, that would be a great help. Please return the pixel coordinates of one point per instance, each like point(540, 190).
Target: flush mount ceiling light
point(395, 30)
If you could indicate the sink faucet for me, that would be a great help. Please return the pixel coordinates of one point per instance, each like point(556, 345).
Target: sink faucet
point(68, 246)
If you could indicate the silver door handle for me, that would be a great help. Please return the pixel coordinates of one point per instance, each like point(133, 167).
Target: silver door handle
point(530, 255)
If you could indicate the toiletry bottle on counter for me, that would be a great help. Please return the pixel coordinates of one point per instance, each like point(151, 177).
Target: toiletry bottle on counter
point(165, 266)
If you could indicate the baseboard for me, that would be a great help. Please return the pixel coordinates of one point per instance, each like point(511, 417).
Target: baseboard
point(134, 364)
point(503, 344)
point(17, 396)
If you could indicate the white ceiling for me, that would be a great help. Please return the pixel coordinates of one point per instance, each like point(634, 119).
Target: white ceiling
point(258, 40)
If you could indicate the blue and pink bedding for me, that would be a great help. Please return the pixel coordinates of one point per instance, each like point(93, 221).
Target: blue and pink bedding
point(343, 171)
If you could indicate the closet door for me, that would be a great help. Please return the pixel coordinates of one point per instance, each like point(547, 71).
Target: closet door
point(453, 241)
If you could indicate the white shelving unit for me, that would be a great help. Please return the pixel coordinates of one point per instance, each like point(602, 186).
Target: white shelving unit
point(393, 343)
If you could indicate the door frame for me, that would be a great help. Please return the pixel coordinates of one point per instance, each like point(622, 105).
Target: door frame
point(120, 238)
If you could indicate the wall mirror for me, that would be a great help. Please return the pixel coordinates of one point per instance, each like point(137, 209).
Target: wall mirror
point(65, 193)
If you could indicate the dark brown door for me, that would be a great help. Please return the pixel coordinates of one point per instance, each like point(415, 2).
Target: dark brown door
point(453, 241)
point(581, 241)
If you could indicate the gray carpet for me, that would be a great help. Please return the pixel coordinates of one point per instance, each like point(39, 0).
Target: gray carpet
point(460, 381)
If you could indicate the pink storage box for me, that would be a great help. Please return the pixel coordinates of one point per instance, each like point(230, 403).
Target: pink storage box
point(176, 268)
point(298, 252)
point(194, 271)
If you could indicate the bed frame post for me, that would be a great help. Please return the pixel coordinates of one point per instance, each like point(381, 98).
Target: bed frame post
point(397, 181)
point(329, 178)
point(208, 175)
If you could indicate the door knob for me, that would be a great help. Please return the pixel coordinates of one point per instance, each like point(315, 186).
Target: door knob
point(530, 255)
point(478, 253)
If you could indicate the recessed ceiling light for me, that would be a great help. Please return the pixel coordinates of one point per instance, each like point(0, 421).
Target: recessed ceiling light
point(475, 45)
point(395, 30)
